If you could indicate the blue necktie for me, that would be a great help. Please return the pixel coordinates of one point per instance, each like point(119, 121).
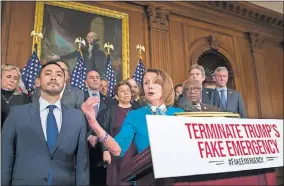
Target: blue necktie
point(96, 106)
point(223, 100)
point(51, 135)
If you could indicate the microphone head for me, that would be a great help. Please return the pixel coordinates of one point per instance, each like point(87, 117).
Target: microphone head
point(105, 164)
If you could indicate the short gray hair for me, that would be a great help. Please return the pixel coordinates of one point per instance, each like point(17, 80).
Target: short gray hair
point(220, 69)
point(199, 67)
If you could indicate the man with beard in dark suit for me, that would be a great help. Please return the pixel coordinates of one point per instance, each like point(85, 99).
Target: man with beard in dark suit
point(94, 58)
point(72, 97)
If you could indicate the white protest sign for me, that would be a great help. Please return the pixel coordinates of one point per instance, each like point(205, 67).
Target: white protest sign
point(184, 146)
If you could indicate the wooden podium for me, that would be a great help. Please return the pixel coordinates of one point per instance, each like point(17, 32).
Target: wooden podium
point(141, 169)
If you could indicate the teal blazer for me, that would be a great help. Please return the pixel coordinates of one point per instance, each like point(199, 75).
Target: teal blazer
point(134, 126)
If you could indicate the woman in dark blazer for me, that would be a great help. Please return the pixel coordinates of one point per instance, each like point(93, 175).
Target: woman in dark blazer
point(111, 119)
point(10, 94)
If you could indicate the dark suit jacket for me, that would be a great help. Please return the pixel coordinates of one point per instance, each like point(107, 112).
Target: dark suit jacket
point(204, 108)
point(72, 97)
point(235, 102)
point(107, 118)
point(97, 61)
point(25, 157)
point(209, 97)
point(209, 108)
point(135, 104)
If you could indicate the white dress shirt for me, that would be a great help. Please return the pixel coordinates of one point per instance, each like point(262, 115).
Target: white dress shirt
point(44, 112)
point(198, 106)
point(98, 94)
point(225, 91)
point(90, 50)
point(91, 95)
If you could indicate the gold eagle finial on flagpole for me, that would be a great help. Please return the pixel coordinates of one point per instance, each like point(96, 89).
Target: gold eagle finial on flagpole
point(80, 41)
point(108, 46)
point(140, 48)
point(37, 35)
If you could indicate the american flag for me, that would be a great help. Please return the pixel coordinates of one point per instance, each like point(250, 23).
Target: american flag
point(30, 72)
point(140, 70)
point(110, 76)
point(79, 73)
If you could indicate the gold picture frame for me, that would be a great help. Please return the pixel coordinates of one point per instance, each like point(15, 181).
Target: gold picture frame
point(39, 17)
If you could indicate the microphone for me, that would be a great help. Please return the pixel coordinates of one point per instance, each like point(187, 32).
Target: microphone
point(105, 164)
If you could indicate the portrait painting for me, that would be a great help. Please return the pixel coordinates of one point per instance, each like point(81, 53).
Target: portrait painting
point(62, 22)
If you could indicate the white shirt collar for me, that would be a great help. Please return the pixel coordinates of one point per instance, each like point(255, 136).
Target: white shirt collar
point(91, 92)
point(223, 88)
point(43, 104)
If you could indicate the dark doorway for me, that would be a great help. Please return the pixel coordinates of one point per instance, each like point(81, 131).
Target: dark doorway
point(210, 60)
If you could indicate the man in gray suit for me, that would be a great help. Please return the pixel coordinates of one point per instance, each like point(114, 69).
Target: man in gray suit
point(71, 96)
point(44, 142)
point(231, 100)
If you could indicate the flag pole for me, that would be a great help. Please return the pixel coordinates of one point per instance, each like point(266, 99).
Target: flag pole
point(109, 74)
point(80, 42)
point(108, 46)
point(140, 48)
point(37, 36)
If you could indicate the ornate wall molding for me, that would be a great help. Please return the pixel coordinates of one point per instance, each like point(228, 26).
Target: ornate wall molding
point(158, 18)
point(213, 41)
point(240, 10)
point(256, 41)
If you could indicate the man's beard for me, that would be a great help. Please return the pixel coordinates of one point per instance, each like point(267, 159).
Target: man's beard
point(52, 92)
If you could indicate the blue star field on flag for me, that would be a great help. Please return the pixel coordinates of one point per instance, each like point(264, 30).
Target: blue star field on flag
point(139, 72)
point(31, 71)
point(110, 76)
point(79, 74)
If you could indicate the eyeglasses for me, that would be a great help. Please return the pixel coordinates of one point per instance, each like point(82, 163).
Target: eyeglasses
point(195, 89)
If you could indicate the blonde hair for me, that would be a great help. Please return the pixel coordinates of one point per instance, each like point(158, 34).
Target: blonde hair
point(166, 82)
point(9, 67)
point(199, 67)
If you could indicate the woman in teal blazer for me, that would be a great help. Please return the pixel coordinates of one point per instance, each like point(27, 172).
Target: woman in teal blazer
point(159, 92)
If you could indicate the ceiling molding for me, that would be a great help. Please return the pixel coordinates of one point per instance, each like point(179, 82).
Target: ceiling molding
point(274, 6)
point(247, 11)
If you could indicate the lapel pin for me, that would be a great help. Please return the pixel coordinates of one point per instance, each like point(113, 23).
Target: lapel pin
point(230, 92)
point(206, 92)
